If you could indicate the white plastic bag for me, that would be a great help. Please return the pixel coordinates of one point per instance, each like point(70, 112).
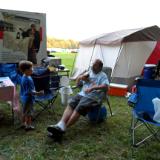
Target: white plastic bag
point(156, 102)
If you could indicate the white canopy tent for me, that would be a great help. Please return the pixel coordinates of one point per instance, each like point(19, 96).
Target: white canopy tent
point(124, 51)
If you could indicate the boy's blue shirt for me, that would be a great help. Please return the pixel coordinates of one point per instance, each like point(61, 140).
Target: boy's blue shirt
point(27, 88)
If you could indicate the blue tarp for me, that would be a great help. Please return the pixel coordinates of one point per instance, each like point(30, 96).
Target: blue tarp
point(10, 70)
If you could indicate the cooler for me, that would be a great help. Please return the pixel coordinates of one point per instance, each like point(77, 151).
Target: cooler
point(149, 70)
point(118, 89)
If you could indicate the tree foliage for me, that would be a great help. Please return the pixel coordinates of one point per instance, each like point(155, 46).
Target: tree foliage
point(61, 43)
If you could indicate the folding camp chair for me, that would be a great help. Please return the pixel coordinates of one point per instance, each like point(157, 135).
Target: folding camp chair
point(50, 84)
point(10, 70)
point(108, 71)
point(97, 111)
point(143, 112)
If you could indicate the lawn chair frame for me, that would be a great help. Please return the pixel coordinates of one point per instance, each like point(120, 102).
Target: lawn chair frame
point(147, 89)
point(48, 82)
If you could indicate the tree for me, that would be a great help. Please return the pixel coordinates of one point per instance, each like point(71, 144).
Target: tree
point(60, 43)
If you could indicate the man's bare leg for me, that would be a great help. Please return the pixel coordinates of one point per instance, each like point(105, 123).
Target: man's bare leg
point(73, 118)
point(65, 117)
point(67, 114)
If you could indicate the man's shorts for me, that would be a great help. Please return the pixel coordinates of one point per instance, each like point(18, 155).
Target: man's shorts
point(82, 104)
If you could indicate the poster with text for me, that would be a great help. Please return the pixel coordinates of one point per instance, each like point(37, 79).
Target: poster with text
point(22, 36)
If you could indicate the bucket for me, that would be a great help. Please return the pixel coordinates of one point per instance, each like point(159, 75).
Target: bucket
point(64, 81)
point(149, 70)
point(65, 92)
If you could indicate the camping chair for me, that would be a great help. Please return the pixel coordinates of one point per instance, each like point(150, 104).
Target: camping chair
point(99, 112)
point(11, 70)
point(108, 71)
point(100, 106)
point(143, 111)
point(50, 84)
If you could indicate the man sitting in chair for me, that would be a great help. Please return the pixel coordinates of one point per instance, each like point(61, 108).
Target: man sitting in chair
point(95, 85)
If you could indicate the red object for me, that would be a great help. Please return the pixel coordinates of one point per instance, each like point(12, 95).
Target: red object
point(155, 55)
point(1, 34)
point(117, 89)
point(134, 89)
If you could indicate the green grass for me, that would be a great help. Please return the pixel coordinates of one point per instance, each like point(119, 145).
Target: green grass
point(67, 59)
point(109, 140)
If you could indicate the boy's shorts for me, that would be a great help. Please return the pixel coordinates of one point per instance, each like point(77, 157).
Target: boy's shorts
point(82, 104)
point(28, 108)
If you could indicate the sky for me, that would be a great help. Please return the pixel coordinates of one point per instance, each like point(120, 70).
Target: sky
point(81, 19)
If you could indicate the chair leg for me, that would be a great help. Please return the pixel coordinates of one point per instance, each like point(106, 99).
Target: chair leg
point(107, 99)
point(135, 124)
point(44, 107)
point(153, 131)
point(13, 115)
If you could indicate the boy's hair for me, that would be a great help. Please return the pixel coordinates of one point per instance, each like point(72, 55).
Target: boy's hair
point(24, 65)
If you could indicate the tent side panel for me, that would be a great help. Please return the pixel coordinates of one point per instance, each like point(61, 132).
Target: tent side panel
point(82, 60)
point(132, 58)
point(108, 54)
point(87, 55)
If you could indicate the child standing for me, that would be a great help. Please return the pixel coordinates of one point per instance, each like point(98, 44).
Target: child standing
point(27, 92)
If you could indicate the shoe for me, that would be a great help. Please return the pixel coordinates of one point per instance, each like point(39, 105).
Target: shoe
point(32, 127)
point(50, 135)
point(23, 126)
point(55, 132)
point(29, 127)
point(1, 117)
point(55, 129)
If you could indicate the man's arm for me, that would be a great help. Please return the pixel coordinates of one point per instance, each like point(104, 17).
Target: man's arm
point(97, 87)
point(79, 78)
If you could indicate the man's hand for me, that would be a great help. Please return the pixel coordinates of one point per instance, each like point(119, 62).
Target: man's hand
point(96, 87)
point(88, 90)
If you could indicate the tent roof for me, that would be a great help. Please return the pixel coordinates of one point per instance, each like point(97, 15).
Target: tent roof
point(131, 35)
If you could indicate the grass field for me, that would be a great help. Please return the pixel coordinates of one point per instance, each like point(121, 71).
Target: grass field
point(109, 140)
point(67, 59)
